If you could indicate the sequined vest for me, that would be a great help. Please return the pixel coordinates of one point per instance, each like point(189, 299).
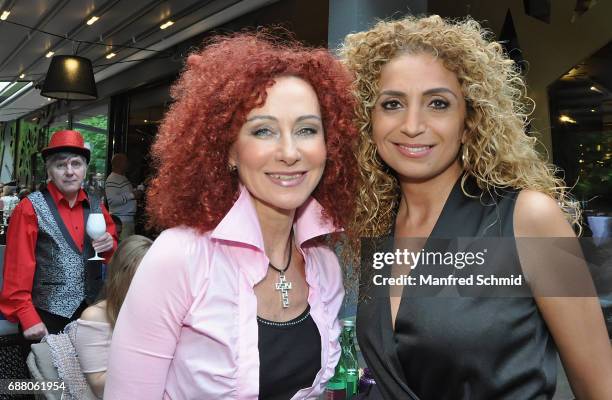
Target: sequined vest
point(64, 277)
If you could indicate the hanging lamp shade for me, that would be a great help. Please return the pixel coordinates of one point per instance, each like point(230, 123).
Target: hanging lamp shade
point(71, 78)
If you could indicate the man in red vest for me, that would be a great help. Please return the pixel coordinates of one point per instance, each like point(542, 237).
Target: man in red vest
point(47, 275)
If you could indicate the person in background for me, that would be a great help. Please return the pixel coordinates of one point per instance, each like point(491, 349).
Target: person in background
point(95, 326)
point(8, 202)
point(121, 196)
point(46, 279)
point(444, 153)
point(118, 224)
point(239, 296)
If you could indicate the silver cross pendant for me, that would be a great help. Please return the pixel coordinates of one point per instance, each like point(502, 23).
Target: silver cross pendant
point(284, 288)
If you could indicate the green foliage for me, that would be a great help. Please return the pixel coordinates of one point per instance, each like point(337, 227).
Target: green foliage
point(27, 146)
point(98, 141)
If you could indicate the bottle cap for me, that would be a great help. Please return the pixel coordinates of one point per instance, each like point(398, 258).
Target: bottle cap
point(348, 323)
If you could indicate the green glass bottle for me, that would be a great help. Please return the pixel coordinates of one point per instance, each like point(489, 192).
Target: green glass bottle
point(336, 387)
point(343, 385)
point(349, 358)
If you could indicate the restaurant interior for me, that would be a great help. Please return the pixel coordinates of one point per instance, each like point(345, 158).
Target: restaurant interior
point(105, 67)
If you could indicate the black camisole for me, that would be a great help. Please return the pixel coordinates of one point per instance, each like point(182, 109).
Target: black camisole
point(289, 356)
point(453, 348)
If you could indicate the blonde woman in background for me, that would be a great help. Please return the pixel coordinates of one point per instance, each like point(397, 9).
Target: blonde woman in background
point(443, 153)
point(95, 327)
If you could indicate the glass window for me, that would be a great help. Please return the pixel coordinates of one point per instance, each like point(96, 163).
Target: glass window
point(9, 134)
point(93, 125)
point(30, 169)
point(147, 108)
point(58, 124)
point(581, 122)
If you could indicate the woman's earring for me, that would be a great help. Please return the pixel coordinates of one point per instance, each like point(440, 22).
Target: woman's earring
point(464, 156)
point(232, 168)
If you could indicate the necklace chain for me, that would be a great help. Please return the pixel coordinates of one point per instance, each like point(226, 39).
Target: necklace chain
point(283, 286)
point(282, 271)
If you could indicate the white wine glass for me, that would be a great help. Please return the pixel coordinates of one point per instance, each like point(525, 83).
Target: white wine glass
point(96, 228)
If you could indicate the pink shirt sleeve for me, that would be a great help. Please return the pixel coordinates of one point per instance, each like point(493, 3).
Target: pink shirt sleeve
point(332, 297)
point(150, 320)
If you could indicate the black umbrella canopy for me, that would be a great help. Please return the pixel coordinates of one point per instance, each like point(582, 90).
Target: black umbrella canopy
point(70, 78)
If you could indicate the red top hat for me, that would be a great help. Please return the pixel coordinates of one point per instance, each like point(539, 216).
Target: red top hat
point(68, 141)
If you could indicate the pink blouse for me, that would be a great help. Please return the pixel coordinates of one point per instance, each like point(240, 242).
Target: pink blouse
point(188, 327)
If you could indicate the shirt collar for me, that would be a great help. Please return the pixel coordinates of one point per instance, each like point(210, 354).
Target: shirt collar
point(241, 223)
point(59, 196)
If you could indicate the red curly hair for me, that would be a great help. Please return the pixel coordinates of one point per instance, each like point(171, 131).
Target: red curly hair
point(219, 86)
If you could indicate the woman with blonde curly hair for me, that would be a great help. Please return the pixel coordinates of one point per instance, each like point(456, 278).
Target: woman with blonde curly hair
point(443, 154)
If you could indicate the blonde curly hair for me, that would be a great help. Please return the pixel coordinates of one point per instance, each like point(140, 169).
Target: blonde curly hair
point(497, 152)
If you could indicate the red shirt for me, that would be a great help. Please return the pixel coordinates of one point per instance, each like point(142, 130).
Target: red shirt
point(20, 258)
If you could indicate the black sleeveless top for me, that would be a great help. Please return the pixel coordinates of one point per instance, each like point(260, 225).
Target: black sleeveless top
point(289, 356)
point(450, 348)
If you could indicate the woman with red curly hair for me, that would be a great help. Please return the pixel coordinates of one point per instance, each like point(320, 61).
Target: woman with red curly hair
point(239, 296)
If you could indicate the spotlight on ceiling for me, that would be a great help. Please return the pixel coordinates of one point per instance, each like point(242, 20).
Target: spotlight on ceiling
point(167, 24)
point(595, 89)
point(92, 20)
point(567, 119)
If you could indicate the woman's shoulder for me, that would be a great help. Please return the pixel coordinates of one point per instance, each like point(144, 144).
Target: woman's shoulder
point(95, 313)
point(182, 239)
point(182, 249)
point(184, 233)
point(538, 214)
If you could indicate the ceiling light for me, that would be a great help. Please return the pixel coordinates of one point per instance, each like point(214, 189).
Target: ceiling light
point(565, 118)
point(92, 20)
point(49, 54)
point(595, 89)
point(21, 76)
point(71, 78)
point(592, 110)
point(110, 55)
point(167, 24)
point(146, 120)
point(5, 15)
